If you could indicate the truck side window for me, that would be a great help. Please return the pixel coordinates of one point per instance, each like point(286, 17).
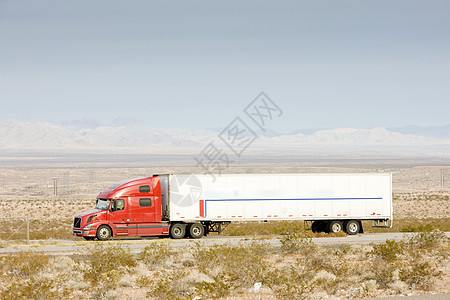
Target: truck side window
point(144, 189)
point(143, 202)
point(119, 204)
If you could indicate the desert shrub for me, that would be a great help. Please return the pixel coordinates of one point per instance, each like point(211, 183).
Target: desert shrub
point(32, 289)
point(237, 265)
point(388, 251)
point(419, 228)
point(143, 281)
point(329, 285)
point(382, 271)
point(156, 254)
point(419, 274)
point(295, 243)
point(426, 240)
point(107, 264)
point(162, 289)
point(337, 265)
point(213, 290)
point(292, 282)
point(334, 264)
point(384, 261)
point(168, 285)
point(24, 263)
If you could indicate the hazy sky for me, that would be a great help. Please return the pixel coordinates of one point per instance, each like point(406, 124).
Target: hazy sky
point(199, 63)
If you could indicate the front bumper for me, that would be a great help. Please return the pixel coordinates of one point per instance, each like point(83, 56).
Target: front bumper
point(79, 232)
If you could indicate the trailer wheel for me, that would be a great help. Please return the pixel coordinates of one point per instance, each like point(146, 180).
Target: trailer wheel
point(352, 227)
point(196, 230)
point(104, 233)
point(177, 231)
point(335, 226)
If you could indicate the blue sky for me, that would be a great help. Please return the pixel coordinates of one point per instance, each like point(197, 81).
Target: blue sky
point(198, 64)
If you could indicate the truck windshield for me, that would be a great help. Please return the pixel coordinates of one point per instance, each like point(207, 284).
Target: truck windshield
point(103, 204)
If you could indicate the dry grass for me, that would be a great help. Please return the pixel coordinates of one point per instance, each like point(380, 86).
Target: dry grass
point(61, 228)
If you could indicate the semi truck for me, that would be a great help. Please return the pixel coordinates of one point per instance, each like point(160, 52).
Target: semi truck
point(191, 206)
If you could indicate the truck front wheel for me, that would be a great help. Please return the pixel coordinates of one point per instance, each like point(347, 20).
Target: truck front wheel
point(177, 231)
point(196, 230)
point(104, 233)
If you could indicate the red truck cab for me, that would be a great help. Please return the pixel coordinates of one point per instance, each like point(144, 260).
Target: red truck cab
point(127, 208)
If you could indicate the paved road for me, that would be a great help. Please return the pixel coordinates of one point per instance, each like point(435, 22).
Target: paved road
point(76, 246)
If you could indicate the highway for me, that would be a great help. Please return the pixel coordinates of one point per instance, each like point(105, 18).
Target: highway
point(78, 246)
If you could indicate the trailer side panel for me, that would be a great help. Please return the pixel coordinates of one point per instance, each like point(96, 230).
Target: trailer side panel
point(280, 197)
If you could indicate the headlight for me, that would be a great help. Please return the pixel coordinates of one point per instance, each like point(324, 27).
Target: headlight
point(87, 227)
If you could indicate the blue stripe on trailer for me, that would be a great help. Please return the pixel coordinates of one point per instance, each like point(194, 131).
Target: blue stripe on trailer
point(289, 199)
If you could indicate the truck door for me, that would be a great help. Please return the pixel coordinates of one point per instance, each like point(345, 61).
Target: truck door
point(145, 216)
point(119, 216)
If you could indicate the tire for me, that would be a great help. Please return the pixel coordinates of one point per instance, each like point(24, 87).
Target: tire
point(177, 231)
point(196, 230)
point(89, 238)
point(352, 227)
point(104, 233)
point(335, 226)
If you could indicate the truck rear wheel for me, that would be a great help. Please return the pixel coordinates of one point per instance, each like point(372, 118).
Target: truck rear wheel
point(196, 230)
point(352, 227)
point(335, 226)
point(104, 233)
point(177, 231)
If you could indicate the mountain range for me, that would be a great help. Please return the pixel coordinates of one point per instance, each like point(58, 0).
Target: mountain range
point(126, 133)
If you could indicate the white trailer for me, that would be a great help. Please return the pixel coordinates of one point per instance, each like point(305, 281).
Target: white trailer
point(330, 202)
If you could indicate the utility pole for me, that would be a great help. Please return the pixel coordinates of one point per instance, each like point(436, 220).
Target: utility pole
point(55, 186)
point(442, 178)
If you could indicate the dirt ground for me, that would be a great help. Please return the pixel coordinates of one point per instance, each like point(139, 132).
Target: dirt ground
point(419, 192)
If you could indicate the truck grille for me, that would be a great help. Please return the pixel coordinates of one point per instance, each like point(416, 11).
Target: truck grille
point(77, 223)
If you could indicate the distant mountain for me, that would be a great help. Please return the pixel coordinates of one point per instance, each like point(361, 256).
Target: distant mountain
point(45, 135)
point(81, 124)
point(356, 137)
point(124, 133)
point(306, 131)
point(430, 131)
